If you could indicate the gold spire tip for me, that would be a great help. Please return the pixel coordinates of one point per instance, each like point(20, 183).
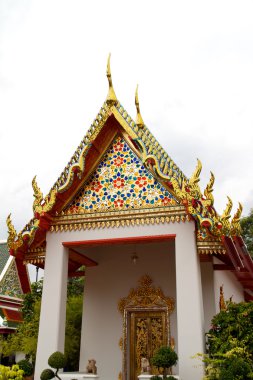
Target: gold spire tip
point(111, 97)
point(139, 120)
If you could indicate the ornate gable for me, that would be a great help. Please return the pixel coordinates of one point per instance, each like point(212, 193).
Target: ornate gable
point(120, 182)
point(109, 188)
point(9, 283)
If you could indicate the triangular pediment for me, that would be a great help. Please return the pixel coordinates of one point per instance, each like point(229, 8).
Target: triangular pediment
point(120, 182)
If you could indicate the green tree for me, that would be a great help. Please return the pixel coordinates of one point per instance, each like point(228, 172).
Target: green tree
point(165, 358)
point(230, 344)
point(73, 331)
point(25, 339)
point(247, 231)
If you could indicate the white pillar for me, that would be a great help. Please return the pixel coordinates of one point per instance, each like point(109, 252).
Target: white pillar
point(208, 293)
point(190, 321)
point(53, 306)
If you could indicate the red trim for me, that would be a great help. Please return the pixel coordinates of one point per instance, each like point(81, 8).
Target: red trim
point(232, 253)
point(116, 241)
point(248, 297)
point(13, 315)
point(244, 254)
point(23, 276)
point(79, 258)
point(222, 267)
point(7, 330)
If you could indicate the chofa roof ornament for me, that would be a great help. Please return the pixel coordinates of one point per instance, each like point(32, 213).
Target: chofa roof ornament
point(111, 97)
point(139, 120)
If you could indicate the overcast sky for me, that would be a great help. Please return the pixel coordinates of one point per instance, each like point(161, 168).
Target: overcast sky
point(193, 61)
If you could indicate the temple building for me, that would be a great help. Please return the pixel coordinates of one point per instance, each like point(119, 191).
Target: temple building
point(14, 282)
point(155, 250)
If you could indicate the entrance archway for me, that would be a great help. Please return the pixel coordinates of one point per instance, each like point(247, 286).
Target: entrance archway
point(146, 325)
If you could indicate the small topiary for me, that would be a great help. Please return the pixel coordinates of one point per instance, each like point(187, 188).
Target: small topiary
point(26, 366)
point(47, 374)
point(165, 357)
point(57, 360)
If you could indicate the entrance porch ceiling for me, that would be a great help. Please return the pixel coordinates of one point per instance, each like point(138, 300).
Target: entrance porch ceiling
point(89, 253)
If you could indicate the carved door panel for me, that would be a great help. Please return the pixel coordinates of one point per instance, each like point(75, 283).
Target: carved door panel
point(147, 333)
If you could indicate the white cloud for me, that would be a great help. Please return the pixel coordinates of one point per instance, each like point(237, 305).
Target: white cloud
point(193, 62)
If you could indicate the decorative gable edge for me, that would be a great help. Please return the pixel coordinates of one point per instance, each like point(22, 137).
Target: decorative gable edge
point(187, 191)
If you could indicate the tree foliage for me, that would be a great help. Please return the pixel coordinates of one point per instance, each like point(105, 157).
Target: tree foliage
point(247, 231)
point(165, 357)
point(25, 339)
point(230, 344)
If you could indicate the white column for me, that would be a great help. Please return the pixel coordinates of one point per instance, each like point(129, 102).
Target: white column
point(208, 293)
point(190, 321)
point(53, 306)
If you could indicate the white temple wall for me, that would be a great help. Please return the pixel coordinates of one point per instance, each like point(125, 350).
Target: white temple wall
point(190, 315)
point(112, 280)
point(231, 287)
point(207, 277)
point(105, 285)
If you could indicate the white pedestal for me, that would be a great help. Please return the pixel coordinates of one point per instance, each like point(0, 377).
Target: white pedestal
point(147, 377)
point(78, 376)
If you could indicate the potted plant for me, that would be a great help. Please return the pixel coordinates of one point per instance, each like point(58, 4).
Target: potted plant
point(57, 360)
point(164, 358)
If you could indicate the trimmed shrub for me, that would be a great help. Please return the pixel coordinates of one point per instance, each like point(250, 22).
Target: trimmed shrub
point(57, 360)
point(47, 374)
point(26, 366)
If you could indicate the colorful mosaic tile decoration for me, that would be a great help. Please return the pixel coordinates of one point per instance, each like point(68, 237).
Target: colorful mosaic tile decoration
point(120, 182)
point(10, 285)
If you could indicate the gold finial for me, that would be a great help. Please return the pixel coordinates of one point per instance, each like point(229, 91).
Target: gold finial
point(235, 224)
point(195, 176)
point(209, 189)
point(139, 120)
point(41, 204)
point(226, 213)
point(12, 234)
point(222, 303)
point(14, 241)
point(111, 97)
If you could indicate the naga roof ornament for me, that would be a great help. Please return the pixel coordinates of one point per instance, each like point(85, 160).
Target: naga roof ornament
point(41, 204)
point(139, 120)
point(14, 240)
point(235, 223)
point(209, 201)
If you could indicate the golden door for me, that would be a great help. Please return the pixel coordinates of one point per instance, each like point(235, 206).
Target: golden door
point(147, 333)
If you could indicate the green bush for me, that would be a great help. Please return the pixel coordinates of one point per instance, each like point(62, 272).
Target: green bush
point(165, 357)
point(26, 366)
point(57, 360)
point(14, 372)
point(47, 374)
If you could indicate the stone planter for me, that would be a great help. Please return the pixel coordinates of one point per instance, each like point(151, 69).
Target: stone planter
point(147, 377)
point(78, 376)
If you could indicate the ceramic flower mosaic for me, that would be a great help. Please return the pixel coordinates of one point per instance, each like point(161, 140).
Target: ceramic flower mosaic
point(10, 285)
point(120, 182)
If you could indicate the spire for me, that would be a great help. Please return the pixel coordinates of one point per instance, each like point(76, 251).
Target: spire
point(111, 97)
point(139, 120)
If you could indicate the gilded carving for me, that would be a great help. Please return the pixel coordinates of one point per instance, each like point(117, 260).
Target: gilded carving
point(148, 309)
point(209, 201)
point(14, 241)
point(40, 204)
point(146, 295)
point(235, 224)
